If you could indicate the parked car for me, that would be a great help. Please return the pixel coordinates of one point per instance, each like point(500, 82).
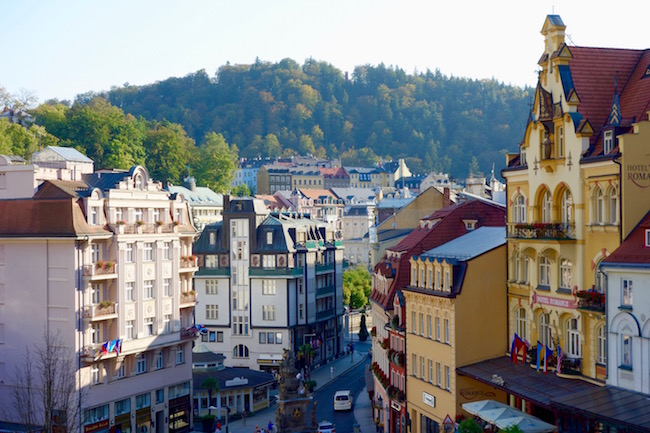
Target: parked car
point(343, 400)
point(326, 427)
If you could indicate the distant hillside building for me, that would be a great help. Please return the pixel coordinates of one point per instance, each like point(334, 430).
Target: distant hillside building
point(205, 205)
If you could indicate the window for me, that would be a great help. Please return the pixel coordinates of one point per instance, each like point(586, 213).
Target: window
point(180, 355)
point(268, 287)
point(438, 374)
point(94, 253)
point(119, 214)
point(429, 327)
point(123, 406)
point(211, 261)
point(520, 319)
point(95, 294)
point(268, 261)
point(270, 337)
point(160, 395)
point(545, 336)
point(599, 206)
point(522, 156)
point(626, 355)
point(519, 209)
point(167, 323)
point(626, 297)
point(613, 205)
point(128, 253)
point(547, 205)
point(128, 291)
point(211, 287)
point(573, 338)
point(159, 360)
point(94, 374)
point(438, 328)
point(413, 323)
point(128, 329)
point(566, 274)
point(156, 214)
point(268, 312)
point(447, 281)
point(601, 343)
point(212, 311)
point(167, 250)
point(421, 316)
point(447, 331)
point(138, 214)
point(647, 237)
point(140, 364)
point(301, 311)
point(96, 414)
point(212, 238)
point(430, 362)
point(142, 401)
point(147, 251)
point(438, 280)
point(262, 337)
point(220, 337)
point(516, 265)
point(120, 371)
point(567, 207)
point(167, 286)
point(269, 238)
point(422, 367)
point(414, 276)
point(544, 271)
point(608, 142)
point(414, 362)
point(93, 219)
point(447, 378)
point(526, 275)
point(148, 289)
point(148, 325)
point(559, 140)
point(95, 334)
point(240, 351)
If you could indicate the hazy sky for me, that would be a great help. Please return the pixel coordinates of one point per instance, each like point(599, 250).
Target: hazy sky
point(58, 49)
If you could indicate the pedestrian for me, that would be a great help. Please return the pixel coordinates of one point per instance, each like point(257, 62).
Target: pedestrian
point(270, 427)
point(257, 429)
point(332, 372)
point(243, 416)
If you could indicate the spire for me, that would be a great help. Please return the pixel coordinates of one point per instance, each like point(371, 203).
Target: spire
point(614, 117)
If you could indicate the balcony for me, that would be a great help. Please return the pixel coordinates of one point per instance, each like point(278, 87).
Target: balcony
point(140, 227)
point(103, 311)
point(327, 290)
point(325, 314)
point(591, 300)
point(101, 270)
point(543, 231)
point(188, 299)
point(325, 267)
point(397, 358)
point(188, 263)
point(275, 272)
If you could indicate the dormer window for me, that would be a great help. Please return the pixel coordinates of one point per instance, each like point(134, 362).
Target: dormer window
point(269, 238)
point(138, 182)
point(608, 142)
point(470, 224)
point(647, 237)
point(522, 156)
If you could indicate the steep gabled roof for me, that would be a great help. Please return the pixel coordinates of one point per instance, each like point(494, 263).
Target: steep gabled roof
point(633, 250)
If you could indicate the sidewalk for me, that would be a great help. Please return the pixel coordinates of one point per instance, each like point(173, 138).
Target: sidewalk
point(322, 377)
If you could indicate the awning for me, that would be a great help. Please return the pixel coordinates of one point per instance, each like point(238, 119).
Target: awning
point(504, 416)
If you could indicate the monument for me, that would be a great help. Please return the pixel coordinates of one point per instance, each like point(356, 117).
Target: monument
point(293, 412)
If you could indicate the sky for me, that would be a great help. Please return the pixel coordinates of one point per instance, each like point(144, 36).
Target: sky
point(58, 49)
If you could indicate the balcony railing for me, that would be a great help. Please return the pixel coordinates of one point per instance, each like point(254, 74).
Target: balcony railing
point(101, 269)
point(188, 262)
point(327, 290)
point(144, 228)
point(326, 267)
point(552, 231)
point(100, 311)
point(591, 300)
point(320, 315)
point(188, 297)
point(278, 272)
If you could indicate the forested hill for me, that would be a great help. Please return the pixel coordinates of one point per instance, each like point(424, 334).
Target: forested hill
point(434, 121)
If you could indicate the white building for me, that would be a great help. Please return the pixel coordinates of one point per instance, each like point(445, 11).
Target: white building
point(106, 261)
point(206, 205)
point(269, 282)
point(628, 305)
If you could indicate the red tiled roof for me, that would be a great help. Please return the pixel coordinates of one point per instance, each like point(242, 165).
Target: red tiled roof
point(420, 240)
point(633, 249)
point(317, 193)
point(270, 201)
point(334, 172)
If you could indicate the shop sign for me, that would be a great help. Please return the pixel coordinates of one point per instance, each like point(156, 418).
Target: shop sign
point(639, 174)
point(101, 425)
point(395, 406)
point(555, 302)
point(428, 399)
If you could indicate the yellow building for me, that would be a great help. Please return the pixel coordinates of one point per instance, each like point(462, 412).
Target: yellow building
point(452, 286)
point(565, 212)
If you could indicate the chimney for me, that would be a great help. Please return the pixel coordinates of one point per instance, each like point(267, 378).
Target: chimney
point(446, 201)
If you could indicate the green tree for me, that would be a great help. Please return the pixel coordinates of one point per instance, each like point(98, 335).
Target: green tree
point(357, 285)
point(217, 163)
point(241, 191)
point(363, 330)
point(212, 386)
point(168, 151)
point(512, 429)
point(469, 426)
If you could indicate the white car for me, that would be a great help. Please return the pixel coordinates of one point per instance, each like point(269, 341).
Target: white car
point(343, 400)
point(326, 427)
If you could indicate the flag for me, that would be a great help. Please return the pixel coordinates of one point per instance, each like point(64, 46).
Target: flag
point(560, 355)
point(540, 347)
point(517, 344)
point(202, 329)
point(547, 356)
point(105, 348)
point(513, 354)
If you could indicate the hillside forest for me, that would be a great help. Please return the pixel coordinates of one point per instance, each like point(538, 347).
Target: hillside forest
point(202, 124)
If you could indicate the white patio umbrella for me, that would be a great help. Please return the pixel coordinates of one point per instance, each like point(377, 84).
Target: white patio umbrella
point(492, 415)
point(476, 406)
point(527, 424)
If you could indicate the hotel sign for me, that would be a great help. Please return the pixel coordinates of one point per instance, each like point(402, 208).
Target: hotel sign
point(638, 174)
point(554, 302)
point(428, 399)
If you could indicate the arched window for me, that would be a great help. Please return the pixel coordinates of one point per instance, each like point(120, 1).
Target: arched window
point(520, 318)
point(516, 266)
point(545, 335)
point(138, 181)
point(612, 200)
point(547, 203)
point(544, 278)
point(519, 209)
point(240, 351)
point(566, 274)
point(599, 202)
point(572, 339)
point(601, 344)
point(567, 207)
point(599, 279)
